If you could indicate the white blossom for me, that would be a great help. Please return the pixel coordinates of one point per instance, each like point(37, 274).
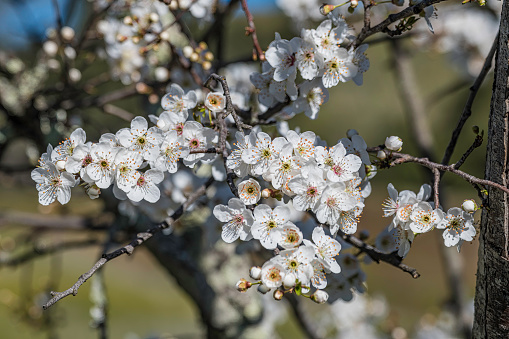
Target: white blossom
point(238, 220)
point(53, 184)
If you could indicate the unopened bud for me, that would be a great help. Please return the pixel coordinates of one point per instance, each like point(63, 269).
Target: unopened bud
point(394, 143)
point(203, 45)
point(93, 192)
point(154, 17)
point(121, 38)
point(208, 56)
point(161, 124)
point(475, 129)
point(128, 21)
point(187, 51)
point(194, 57)
point(142, 88)
point(162, 74)
point(289, 281)
point(272, 193)
point(67, 33)
point(70, 52)
point(320, 297)
point(50, 48)
point(206, 65)
point(354, 3)
point(263, 289)
point(74, 75)
point(135, 39)
point(381, 155)
point(326, 9)
point(255, 272)
point(469, 206)
point(174, 5)
point(60, 164)
point(278, 294)
point(165, 36)
point(243, 285)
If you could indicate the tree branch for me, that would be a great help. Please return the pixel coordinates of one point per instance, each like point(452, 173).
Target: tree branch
point(467, 110)
point(129, 248)
point(381, 27)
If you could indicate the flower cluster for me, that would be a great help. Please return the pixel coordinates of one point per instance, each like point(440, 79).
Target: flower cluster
point(133, 160)
point(413, 215)
point(332, 183)
point(319, 59)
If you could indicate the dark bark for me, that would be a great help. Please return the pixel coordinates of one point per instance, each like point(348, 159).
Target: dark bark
point(492, 289)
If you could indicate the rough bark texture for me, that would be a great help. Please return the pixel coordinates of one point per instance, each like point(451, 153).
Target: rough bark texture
point(492, 289)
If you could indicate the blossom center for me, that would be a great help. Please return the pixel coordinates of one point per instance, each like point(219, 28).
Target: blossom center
point(312, 192)
point(238, 218)
point(194, 143)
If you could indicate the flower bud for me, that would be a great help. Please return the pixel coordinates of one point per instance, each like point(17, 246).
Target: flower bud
point(263, 289)
point(475, 129)
point(93, 192)
point(381, 155)
point(203, 45)
point(393, 143)
point(206, 65)
point(121, 38)
point(469, 206)
point(67, 33)
point(70, 52)
point(165, 36)
point(74, 75)
point(161, 124)
point(50, 48)
point(161, 74)
point(128, 21)
point(209, 56)
point(255, 272)
point(320, 297)
point(187, 51)
point(278, 294)
point(243, 285)
point(354, 3)
point(289, 281)
point(326, 9)
point(60, 164)
point(174, 5)
point(154, 17)
point(194, 57)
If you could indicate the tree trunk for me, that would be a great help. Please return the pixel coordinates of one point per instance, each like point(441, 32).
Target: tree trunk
point(492, 289)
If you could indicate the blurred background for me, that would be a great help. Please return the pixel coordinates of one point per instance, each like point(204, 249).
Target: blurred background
point(144, 300)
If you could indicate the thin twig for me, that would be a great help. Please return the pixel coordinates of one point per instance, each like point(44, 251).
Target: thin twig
point(129, 248)
point(477, 143)
point(467, 110)
point(251, 30)
point(436, 183)
point(377, 256)
point(403, 158)
point(383, 26)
